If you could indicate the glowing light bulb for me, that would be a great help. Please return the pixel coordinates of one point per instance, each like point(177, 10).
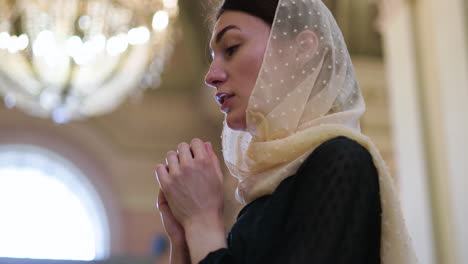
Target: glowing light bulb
point(44, 43)
point(73, 46)
point(10, 100)
point(138, 36)
point(84, 22)
point(170, 3)
point(117, 44)
point(23, 42)
point(13, 47)
point(61, 115)
point(4, 40)
point(87, 54)
point(98, 43)
point(49, 99)
point(160, 20)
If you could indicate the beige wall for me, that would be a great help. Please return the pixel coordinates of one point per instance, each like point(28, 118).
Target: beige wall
point(466, 20)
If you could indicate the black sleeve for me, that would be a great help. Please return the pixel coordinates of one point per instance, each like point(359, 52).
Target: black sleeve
point(220, 256)
point(335, 209)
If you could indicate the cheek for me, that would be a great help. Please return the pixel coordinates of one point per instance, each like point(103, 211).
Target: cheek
point(249, 67)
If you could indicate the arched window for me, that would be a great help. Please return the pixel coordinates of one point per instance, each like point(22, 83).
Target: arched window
point(48, 208)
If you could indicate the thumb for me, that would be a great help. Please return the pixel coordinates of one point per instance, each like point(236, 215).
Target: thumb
point(163, 207)
point(162, 202)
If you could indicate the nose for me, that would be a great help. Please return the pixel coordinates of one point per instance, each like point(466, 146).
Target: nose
point(216, 76)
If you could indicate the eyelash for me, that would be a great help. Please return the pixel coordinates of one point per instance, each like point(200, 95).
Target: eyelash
point(231, 50)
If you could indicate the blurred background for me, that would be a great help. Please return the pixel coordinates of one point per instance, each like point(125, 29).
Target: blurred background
point(95, 92)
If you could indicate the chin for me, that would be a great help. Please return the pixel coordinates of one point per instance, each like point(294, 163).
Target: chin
point(234, 123)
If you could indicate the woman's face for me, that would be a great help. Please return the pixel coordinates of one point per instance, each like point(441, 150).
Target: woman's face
point(238, 44)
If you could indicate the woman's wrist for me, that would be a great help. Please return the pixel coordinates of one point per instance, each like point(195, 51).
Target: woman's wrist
point(178, 242)
point(205, 234)
point(179, 254)
point(209, 220)
point(209, 225)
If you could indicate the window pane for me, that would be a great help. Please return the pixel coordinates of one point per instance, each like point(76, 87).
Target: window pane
point(44, 211)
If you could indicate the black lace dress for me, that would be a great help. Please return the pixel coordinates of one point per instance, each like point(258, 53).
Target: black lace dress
point(327, 213)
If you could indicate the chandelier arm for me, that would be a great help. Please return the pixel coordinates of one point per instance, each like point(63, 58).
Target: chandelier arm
point(11, 82)
point(117, 69)
point(33, 70)
point(82, 9)
point(29, 50)
point(67, 87)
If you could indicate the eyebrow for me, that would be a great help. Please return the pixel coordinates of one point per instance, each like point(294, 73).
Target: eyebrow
point(221, 33)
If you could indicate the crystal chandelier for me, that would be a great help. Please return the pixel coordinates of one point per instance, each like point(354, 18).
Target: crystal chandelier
point(71, 59)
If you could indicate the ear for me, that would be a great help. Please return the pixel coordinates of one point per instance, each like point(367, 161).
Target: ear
point(307, 41)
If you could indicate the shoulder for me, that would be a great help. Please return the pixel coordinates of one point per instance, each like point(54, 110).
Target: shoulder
point(341, 146)
point(340, 158)
point(339, 150)
point(334, 205)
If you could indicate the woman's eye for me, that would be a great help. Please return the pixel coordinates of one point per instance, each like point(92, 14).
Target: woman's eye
point(231, 50)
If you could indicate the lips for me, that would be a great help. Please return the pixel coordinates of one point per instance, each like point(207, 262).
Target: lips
point(223, 99)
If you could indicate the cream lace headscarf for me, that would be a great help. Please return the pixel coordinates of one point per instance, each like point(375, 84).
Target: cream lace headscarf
point(303, 97)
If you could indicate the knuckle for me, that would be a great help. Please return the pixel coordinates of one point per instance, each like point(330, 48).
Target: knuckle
point(158, 170)
point(187, 166)
point(175, 175)
point(163, 184)
point(204, 162)
point(169, 187)
point(182, 145)
point(196, 140)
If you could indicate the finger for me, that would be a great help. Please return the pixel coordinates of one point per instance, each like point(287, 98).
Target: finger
point(165, 212)
point(162, 175)
point(164, 208)
point(214, 159)
point(162, 201)
point(172, 161)
point(208, 149)
point(185, 154)
point(163, 205)
point(198, 149)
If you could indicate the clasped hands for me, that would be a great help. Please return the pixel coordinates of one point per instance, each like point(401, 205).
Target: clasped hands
point(191, 197)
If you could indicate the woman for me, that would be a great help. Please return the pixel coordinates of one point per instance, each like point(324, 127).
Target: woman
point(316, 189)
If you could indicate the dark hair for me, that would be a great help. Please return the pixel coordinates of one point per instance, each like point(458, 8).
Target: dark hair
point(264, 9)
